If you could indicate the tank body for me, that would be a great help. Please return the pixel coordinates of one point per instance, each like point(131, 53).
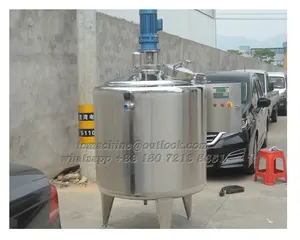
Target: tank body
point(152, 135)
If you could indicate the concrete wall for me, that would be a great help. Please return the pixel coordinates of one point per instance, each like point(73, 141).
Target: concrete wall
point(43, 77)
point(119, 38)
point(43, 88)
point(201, 27)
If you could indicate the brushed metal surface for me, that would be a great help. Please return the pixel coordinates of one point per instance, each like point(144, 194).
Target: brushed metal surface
point(224, 119)
point(168, 111)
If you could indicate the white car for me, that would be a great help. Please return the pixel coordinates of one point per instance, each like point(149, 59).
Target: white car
point(268, 91)
point(279, 81)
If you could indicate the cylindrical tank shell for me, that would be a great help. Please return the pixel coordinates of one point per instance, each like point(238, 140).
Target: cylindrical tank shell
point(153, 134)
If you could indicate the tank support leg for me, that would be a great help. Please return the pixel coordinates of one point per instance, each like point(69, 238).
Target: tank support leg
point(106, 202)
point(164, 211)
point(187, 202)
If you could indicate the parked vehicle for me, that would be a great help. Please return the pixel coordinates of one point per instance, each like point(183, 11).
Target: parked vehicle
point(279, 81)
point(268, 92)
point(33, 201)
point(237, 119)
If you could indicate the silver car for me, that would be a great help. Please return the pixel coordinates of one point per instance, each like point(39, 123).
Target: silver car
point(279, 80)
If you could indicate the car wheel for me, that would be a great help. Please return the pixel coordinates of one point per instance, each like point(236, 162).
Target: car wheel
point(251, 169)
point(274, 115)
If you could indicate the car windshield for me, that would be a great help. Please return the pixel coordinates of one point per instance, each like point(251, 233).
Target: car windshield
point(278, 82)
point(261, 80)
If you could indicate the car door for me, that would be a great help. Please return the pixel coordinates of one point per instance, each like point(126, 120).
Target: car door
point(262, 114)
point(255, 110)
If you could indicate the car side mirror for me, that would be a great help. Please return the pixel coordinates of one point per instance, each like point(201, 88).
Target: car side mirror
point(271, 86)
point(263, 102)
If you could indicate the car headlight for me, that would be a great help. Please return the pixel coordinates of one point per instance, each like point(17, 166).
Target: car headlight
point(224, 135)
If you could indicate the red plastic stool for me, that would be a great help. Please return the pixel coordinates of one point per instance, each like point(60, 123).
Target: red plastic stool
point(270, 173)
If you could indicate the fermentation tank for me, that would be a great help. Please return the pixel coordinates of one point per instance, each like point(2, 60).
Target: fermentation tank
point(151, 129)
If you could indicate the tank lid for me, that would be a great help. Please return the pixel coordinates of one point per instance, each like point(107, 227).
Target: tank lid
point(129, 82)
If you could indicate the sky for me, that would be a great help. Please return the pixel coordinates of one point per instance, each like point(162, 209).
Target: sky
point(255, 29)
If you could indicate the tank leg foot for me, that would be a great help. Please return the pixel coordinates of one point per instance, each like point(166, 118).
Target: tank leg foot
point(187, 202)
point(106, 203)
point(164, 211)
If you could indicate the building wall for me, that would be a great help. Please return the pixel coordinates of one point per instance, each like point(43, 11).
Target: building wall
point(43, 88)
point(43, 77)
point(279, 59)
point(121, 39)
point(245, 51)
point(285, 55)
point(285, 61)
point(196, 25)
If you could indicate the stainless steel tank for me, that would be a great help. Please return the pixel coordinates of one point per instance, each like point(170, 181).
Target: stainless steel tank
point(151, 129)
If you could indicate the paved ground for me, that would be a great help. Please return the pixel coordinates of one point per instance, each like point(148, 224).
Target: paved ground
point(259, 206)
